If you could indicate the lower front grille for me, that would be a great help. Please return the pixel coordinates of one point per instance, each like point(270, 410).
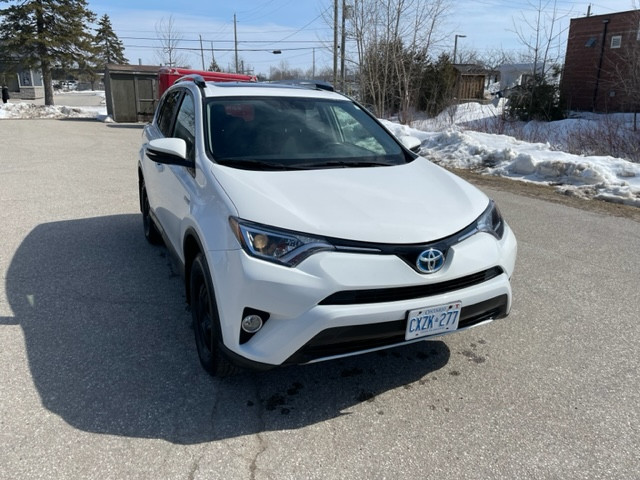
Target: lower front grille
point(353, 339)
point(356, 297)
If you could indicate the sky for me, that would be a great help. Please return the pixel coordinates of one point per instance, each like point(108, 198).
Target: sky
point(301, 29)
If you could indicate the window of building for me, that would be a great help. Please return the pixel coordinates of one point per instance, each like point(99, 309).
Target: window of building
point(591, 42)
point(638, 37)
point(616, 41)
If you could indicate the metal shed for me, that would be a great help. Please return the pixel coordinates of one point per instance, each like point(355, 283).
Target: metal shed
point(131, 92)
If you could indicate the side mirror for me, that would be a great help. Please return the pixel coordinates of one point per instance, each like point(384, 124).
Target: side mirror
point(170, 151)
point(412, 143)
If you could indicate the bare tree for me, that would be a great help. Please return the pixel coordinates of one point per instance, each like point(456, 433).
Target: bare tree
point(627, 69)
point(541, 34)
point(284, 72)
point(393, 38)
point(492, 59)
point(169, 52)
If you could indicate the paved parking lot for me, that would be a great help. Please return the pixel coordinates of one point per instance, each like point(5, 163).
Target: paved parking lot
point(100, 378)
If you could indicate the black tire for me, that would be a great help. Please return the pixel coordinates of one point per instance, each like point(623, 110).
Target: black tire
point(206, 321)
point(151, 232)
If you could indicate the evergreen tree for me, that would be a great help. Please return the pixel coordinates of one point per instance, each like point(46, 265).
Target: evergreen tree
point(44, 33)
point(438, 88)
point(108, 47)
point(213, 66)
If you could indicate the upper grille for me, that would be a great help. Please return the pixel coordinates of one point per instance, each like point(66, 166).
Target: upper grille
point(356, 297)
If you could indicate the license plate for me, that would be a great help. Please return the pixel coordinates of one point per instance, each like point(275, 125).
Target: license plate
point(432, 320)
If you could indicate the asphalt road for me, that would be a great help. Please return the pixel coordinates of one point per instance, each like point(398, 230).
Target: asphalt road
point(99, 376)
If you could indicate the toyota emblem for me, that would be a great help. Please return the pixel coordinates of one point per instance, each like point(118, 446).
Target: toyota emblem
point(430, 261)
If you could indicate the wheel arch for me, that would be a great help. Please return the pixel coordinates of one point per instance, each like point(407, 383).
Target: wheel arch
point(140, 184)
point(190, 249)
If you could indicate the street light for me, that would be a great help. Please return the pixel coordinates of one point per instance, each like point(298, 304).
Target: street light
point(455, 46)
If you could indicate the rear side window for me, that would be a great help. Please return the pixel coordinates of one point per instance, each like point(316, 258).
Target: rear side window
point(167, 112)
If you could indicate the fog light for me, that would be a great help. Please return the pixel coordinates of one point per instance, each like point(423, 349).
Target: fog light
point(251, 323)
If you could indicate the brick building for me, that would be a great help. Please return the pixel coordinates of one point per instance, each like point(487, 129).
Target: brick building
point(600, 49)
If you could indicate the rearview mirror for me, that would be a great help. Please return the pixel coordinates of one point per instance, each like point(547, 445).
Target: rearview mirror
point(412, 143)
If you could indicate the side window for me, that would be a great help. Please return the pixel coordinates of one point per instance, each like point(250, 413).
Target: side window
point(354, 132)
point(186, 125)
point(167, 112)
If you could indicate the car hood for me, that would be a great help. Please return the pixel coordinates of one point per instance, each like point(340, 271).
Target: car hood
point(412, 203)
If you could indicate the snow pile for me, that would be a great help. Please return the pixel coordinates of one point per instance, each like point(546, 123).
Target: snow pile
point(606, 178)
point(464, 113)
point(30, 110)
point(86, 104)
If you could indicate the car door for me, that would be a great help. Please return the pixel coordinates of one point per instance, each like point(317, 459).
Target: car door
point(175, 185)
point(162, 127)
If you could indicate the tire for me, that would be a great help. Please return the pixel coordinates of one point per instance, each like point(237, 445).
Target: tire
point(206, 321)
point(151, 232)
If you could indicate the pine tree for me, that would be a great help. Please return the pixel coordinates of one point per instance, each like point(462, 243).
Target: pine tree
point(108, 47)
point(213, 66)
point(44, 33)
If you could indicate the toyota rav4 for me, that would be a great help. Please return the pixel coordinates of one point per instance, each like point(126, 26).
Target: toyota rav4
point(306, 231)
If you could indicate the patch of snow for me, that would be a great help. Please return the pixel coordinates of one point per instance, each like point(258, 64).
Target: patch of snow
point(30, 110)
point(601, 177)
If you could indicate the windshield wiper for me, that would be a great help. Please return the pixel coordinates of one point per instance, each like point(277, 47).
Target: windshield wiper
point(349, 164)
point(252, 164)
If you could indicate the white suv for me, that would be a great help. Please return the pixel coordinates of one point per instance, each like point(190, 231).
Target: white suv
point(306, 231)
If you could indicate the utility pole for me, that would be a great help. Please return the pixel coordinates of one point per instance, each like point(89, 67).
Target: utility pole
point(342, 46)
point(235, 36)
point(313, 71)
point(201, 52)
point(599, 71)
point(335, 42)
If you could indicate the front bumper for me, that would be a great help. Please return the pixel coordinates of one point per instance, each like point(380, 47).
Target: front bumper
point(336, 304)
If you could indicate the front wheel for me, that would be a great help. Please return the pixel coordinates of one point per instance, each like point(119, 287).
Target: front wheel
point(206, 321)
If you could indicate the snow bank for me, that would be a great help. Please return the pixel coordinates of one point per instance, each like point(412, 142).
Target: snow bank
point(606, 178)
point(30, 110)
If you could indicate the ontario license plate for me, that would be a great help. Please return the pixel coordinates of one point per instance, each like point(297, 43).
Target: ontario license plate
point(432, 320)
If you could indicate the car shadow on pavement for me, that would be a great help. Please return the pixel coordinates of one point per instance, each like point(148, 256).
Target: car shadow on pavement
point(111, 350)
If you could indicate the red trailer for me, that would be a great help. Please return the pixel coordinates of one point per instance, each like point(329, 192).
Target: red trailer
point(168, 75)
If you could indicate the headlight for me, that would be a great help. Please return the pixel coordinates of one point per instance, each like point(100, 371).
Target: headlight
point(491, 221)
point(274, 245)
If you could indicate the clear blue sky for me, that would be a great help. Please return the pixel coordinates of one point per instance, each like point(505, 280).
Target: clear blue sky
point(298, 27)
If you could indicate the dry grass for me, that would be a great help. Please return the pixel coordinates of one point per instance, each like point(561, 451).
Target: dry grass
point(609, 135)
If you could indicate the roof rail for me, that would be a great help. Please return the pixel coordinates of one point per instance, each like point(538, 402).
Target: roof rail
point(315, 84)
point(195, 78)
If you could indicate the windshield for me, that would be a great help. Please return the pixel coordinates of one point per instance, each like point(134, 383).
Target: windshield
point(296, 133)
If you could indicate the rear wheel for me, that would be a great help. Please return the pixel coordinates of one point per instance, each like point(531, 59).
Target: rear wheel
point(206, 321)
point(151, 232)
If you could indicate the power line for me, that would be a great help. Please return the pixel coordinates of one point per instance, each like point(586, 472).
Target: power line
point(220, 41)
point(194, 49)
